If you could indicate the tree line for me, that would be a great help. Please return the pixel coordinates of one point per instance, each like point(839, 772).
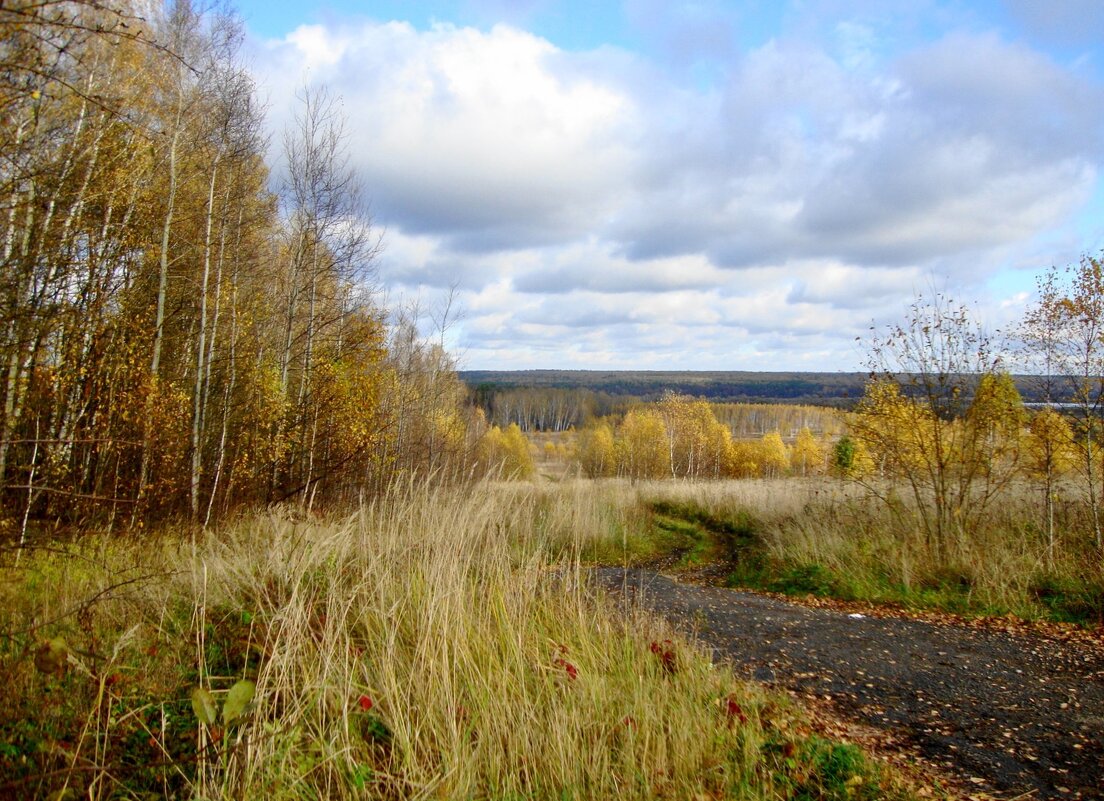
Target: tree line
point(682, 437)
point(176, 337)
point(733, 386)
point(941, 417)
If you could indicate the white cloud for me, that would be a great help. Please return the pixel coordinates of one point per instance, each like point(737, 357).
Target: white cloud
point(470, 135)
point(596, 210)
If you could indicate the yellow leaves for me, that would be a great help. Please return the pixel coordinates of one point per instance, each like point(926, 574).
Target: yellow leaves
point(597, 451)
point(806, 456)
point(681, 437)
point(346, 398)
point(906, 437)
point(742, 459)
point(1048, 446)
point(997, 408)
point(448, 428)
point(641, 445)
point(507, 451)
point(773, 458)
point(898, 432)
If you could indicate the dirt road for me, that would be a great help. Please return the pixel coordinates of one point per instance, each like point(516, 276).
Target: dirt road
point(1010, 714)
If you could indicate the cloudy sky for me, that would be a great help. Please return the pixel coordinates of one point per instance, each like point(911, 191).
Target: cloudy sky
point(705, 185)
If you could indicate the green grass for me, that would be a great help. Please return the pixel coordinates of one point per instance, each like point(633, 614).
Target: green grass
point(1069, 599)
point(698, 537)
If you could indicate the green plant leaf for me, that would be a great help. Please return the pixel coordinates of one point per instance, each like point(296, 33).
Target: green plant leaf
point(373, 728)
point(237, 699)
point(204, 706)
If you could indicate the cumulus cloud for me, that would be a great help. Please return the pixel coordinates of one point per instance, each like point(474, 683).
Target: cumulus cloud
point(612, 206)
point(967, 143)
point(469, 135)
point(590, 267)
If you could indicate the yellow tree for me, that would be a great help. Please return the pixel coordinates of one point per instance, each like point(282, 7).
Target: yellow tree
point(1048, 453)
point(915, 415)
point(1065, 331)
point(696, 442)
point(508, 451)
point(806, 456)
point(994, 421)
point(682, 439)
point(642, 445)
point(896, 431)
point(597, 452)
point(742, 459)
point(716, 456)
point(773, 460)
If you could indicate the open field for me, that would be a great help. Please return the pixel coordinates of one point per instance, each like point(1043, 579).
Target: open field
point(438, 643)
point(831, 538)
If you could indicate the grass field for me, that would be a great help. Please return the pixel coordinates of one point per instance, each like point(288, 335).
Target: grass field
point(831, 538)
point(435, 644)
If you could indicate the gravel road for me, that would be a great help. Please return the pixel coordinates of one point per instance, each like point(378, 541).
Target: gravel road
point(1009, 713)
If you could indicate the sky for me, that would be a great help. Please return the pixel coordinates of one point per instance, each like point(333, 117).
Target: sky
point(704, 185)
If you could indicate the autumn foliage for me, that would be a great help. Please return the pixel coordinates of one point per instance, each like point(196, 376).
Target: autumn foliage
point(176, 337)
point(681, 437)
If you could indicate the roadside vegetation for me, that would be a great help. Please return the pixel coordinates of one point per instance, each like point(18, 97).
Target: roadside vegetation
point(829, 539)
point(436, 643)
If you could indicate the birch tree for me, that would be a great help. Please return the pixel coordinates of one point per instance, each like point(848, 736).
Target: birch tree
point(1065, 330)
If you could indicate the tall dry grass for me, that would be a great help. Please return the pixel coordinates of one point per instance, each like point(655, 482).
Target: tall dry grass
point(439, 643)
point(489, 675)
point(869, 546)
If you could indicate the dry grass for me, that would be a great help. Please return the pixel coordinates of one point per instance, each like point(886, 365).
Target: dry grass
point(438, 644)
point(862, 547)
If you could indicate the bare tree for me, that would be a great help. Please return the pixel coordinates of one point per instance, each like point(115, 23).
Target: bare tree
point(330, 250)
point(1065, 331)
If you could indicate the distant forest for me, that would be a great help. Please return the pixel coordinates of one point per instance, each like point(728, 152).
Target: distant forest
point(555, 400)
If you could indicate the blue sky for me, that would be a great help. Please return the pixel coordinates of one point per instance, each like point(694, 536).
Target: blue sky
point(705, 185)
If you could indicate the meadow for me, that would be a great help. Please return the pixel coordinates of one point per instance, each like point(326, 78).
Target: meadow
point(832, 538)
point(435, 643)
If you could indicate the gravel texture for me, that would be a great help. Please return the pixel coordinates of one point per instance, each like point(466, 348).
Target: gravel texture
point(1009, 713)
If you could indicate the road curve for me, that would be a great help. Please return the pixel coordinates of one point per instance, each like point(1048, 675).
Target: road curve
point(1013, 713)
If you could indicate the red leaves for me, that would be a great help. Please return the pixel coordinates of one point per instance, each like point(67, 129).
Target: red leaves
point(365, 703)
point(561, 662)
point(665, 653)
point(733, 711)
point(570, 669)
